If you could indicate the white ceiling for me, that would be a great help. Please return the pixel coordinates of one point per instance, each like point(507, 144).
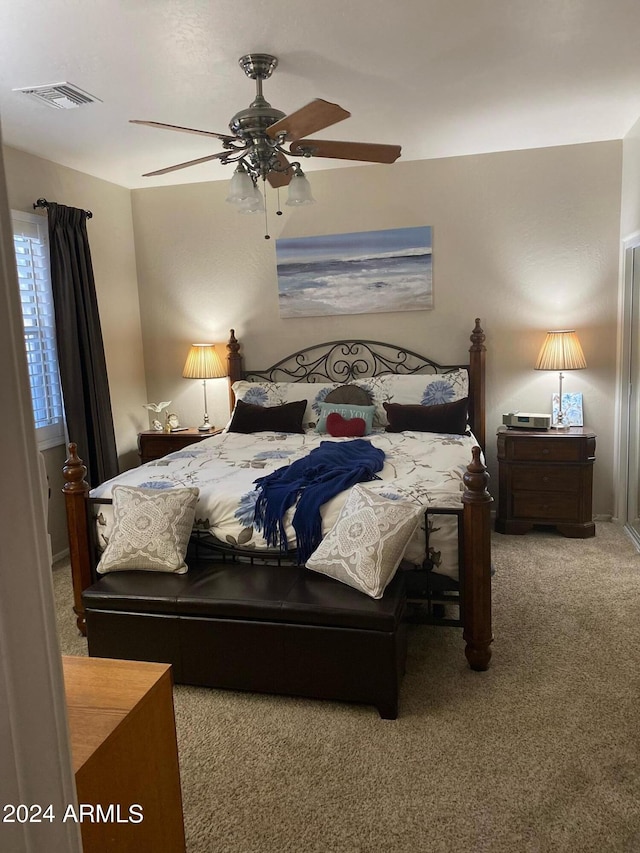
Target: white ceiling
point(439, 77)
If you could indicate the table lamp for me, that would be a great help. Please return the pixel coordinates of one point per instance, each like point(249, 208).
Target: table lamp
point(203, 362)
point(561, 350)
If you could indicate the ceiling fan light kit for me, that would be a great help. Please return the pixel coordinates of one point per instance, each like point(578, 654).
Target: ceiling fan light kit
point(257, 143)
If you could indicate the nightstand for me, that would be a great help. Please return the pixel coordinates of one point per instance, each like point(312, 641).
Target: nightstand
point(153, 444)
point(546, 478)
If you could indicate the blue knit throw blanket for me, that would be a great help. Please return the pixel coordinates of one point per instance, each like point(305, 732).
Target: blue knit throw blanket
point(330, 468)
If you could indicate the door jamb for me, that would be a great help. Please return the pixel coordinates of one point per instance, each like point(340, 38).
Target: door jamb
point(623, 390)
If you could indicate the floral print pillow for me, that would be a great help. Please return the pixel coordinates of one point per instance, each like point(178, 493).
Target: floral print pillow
point(415, 389)
point(277, 393)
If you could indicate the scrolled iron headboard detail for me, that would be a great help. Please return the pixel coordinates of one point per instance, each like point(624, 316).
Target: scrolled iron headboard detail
point(345, 361)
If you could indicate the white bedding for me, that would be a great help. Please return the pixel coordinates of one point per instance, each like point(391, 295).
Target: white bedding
point(423, 467)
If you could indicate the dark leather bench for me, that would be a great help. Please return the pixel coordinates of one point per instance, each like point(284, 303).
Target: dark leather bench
point(273, 629)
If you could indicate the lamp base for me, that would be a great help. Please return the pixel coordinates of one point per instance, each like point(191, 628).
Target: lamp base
point(205, 428)
point(560, 426)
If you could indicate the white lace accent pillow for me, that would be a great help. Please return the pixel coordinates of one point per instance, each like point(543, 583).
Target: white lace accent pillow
point(151, 530)
point(366, 544)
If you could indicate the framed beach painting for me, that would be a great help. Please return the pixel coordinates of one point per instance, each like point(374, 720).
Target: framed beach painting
point(359, 273)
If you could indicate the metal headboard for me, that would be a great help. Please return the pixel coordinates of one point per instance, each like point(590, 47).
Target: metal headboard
point(345, 361)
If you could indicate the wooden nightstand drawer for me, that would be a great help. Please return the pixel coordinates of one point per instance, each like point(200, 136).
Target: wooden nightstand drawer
point(543, 449)
point(549, 506)
point(154, 445)
point(545, 478)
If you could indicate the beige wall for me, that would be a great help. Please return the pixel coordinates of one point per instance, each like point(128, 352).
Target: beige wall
point(526, 240)
point(113, 254)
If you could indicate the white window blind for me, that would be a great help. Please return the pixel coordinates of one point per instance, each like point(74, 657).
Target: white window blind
point(32, 259)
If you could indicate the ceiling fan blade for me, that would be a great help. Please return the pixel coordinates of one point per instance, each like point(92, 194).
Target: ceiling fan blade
point(367, 151)
point(314, 116)
point(280, 179)
point(185, 165)
point(182, 129)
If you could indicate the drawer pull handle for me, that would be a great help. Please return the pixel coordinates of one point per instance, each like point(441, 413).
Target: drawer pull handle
point(545, 479)
point(545, 451)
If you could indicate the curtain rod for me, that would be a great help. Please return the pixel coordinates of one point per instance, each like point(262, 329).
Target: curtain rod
point(42, 202)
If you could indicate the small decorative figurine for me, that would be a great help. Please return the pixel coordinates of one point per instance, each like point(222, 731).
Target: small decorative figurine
point(157, 408)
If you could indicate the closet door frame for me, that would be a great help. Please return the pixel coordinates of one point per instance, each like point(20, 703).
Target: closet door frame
point(628, 392)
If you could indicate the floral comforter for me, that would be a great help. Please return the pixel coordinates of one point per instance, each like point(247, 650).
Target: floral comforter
point(423, 467)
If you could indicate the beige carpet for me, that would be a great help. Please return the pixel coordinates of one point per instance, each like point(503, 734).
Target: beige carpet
point(540, 753)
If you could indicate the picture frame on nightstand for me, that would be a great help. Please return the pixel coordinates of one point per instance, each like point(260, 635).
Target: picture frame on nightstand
point(571, 409)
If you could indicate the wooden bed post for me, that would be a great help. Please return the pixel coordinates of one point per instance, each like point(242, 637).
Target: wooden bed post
point(477, 360)
point(476, 591)
point(234, 365)
point(76, 491)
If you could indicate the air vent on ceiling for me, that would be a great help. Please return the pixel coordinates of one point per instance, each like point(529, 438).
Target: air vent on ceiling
point(60, 96)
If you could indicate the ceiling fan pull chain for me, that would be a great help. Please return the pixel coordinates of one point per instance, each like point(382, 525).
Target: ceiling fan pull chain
point(278, 211)
point(267, 236)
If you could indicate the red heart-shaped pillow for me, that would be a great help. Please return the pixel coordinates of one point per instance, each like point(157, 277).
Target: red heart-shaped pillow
point(340, 427)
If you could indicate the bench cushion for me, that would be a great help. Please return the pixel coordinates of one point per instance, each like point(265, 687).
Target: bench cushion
point(290, 594)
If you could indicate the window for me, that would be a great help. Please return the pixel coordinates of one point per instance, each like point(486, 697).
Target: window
point(32, 259)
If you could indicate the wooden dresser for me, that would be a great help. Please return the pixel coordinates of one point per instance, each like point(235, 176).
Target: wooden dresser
point(546, 478)
point(124, 752)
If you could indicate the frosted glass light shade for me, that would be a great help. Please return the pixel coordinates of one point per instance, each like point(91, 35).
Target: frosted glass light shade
point(300, 190)
point(254, 203)
point(561, 350)
point(203, 362)
point(240, 187)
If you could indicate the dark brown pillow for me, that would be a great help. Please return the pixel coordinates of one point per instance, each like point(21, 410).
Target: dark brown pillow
point(352, 395)
point(247, 417)
point(449, 418)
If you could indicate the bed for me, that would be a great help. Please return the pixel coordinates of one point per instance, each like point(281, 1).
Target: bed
point(445, 577)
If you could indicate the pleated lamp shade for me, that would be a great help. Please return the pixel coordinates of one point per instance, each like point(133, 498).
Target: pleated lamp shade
point(203, 362)
point(561, 350)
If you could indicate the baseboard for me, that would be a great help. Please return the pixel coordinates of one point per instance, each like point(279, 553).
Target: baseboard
point(61, 555)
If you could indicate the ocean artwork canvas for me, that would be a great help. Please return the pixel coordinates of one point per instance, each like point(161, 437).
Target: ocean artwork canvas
point(358, 273)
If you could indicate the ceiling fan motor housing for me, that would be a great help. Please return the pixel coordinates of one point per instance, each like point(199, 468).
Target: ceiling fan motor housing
point(253, 122)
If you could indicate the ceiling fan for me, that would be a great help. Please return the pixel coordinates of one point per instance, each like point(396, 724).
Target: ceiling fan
point(259, 133)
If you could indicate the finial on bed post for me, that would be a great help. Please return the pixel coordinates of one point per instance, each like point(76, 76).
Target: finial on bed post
point(76, 491)
point(476, 576)
point(477, 406)
point(234, 364)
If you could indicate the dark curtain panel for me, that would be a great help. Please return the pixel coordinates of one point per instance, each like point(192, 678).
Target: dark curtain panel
point(83, 371)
